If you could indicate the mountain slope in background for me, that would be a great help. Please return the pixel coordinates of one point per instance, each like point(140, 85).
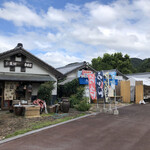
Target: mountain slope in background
point(136, 62)
point(140, 65)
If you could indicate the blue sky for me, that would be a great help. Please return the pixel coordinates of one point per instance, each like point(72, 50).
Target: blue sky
point(65, 31)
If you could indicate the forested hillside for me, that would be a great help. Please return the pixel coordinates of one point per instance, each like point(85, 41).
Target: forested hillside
point(140, 65)
point(124, 64)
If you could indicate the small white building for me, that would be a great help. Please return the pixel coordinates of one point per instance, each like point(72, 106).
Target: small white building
point(71, 70)
point(21, 74)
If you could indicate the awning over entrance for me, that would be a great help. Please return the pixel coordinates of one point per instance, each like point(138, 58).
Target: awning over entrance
point(25, 77)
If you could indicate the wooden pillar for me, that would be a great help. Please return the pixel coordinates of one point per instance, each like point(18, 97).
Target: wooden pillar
point(125, 91)
point(138, 91)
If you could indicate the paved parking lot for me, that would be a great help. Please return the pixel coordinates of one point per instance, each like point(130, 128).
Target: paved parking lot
point(130, 130)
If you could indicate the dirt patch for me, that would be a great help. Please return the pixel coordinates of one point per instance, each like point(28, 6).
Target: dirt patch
point(9, 122)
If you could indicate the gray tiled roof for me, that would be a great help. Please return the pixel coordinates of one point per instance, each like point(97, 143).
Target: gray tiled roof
point(139, 75)
point(67, 80)
point(25, 77)
point(20, 50)
point(70, 67)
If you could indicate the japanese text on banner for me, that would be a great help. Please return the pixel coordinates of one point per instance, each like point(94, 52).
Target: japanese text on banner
point(113, 74)
point(99, 84)
point(92, 88)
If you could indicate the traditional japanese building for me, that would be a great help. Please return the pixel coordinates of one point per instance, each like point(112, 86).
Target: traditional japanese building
point(70, 71)
point(21, 74)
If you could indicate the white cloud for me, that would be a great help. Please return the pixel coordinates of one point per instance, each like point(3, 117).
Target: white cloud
point(55, 15)
point(84, 32)
point(57, 59)
point(20, 14)
point(101, 14)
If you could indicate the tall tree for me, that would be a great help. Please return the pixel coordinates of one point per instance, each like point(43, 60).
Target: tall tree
point(113, 61)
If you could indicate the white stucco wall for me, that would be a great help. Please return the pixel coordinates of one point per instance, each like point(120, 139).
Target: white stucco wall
point(35, 87)
point(73, 74)
point(54, 92)
point(36, 69)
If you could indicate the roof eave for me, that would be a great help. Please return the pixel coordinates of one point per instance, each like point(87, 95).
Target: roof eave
point(32, 57)
point(80, 67)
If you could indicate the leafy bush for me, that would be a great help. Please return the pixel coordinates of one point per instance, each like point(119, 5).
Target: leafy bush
point(76, 98)
point(80, 93)
point(68, 89)
point(73, 101)
point(83, 106)
point(45, 91)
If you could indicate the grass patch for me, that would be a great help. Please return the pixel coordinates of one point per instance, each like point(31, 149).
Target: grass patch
point(47, 115)
point(39, 125)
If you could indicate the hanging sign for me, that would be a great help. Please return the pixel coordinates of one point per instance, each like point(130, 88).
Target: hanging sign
point(92, 88)
point(83, 76)
point(84, 73)
point(83, 81)
point(99, 84)
point(9, 63)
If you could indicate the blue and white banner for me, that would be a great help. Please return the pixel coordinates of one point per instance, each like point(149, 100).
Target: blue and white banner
point(113, 74)
point(99, 84)
point(110, 81)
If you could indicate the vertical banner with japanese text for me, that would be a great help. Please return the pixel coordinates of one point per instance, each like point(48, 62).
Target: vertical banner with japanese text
point(113, 74)
point(106, 86)
point(92, 88)
point(99, 84)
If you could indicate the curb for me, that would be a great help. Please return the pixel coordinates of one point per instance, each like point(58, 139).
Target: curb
point(44, 128)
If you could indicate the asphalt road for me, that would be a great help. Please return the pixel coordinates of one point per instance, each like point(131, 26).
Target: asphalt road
point(130, 130)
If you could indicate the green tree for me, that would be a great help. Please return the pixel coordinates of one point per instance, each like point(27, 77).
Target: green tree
point(68, 89)
point(113, 61)
point(45, 92)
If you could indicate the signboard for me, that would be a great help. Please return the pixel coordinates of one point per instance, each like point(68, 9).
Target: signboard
point(92, 88)
point(84, 73)
point(9, 63)
point(83, 76)
point(83, 80)
point(99, 84)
